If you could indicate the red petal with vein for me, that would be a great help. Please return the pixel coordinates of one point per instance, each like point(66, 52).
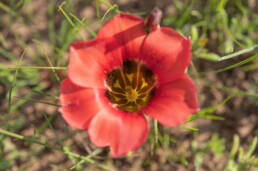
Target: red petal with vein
point(173, 102)
point(78, 104)
point(128, 30)
point(122, 131)
point(91, 61)
point(166, 53)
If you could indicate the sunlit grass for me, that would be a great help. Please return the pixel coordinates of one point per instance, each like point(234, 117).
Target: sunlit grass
point(221, 18)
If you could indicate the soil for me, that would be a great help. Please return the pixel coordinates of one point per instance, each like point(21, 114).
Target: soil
point(240, 112)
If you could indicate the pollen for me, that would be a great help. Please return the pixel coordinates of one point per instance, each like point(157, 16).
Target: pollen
point(131, 86)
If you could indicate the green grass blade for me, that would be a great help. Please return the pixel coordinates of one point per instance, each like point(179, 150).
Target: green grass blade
point(44, 94)
point(188, 128)
point(249, 67)
point(38, 101)
point(53, 70)
point(216, 58)
point(235, 146)
point(241, 52)
point(60, 8)
point(33, 67)
point(97, 8)
point(7, 54)
point(53, 130)
point(7, 9)
point(21, 137)
point(107, 4)
point(231, 66)
point(81, 22)
point(252, 148)
point(51, 23)
point(14, 81)
point(110, 9)
point(156, 131)
point(226, 28)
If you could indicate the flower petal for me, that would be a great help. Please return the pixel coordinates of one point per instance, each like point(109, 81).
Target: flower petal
point(91, 61)
point(166, 53)
point(128, 30)
point(122, 131)
point(173, 102)
point(78, 104)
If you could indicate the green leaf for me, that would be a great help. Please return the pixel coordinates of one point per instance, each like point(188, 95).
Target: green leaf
point(217, 145)
point(235, 146)
point(194, 34)
point(252, 148)
point(209, 56)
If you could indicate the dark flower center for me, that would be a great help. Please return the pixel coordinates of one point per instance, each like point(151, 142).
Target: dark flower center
point(130, 88)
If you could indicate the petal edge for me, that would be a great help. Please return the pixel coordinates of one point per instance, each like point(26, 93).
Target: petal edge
point(166, 53)
point(78, 105)
point(173, 102)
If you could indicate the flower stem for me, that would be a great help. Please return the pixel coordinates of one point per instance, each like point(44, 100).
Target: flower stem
point(156, 131)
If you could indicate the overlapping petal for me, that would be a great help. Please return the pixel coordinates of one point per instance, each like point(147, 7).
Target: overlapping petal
point(91, 61)
point(78, 105)
point(173, 102)
point(84, 104)
point(122, 131)
point(128, 30)
point(166, 53)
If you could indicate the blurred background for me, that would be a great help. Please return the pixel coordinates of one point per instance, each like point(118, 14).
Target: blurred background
point(35, 36)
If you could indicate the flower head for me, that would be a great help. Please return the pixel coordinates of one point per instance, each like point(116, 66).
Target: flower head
point(124, 75)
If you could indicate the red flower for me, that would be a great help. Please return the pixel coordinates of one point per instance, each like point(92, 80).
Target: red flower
point(122, 75)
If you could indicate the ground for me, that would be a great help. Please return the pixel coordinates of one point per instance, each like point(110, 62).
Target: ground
point(227, 89)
